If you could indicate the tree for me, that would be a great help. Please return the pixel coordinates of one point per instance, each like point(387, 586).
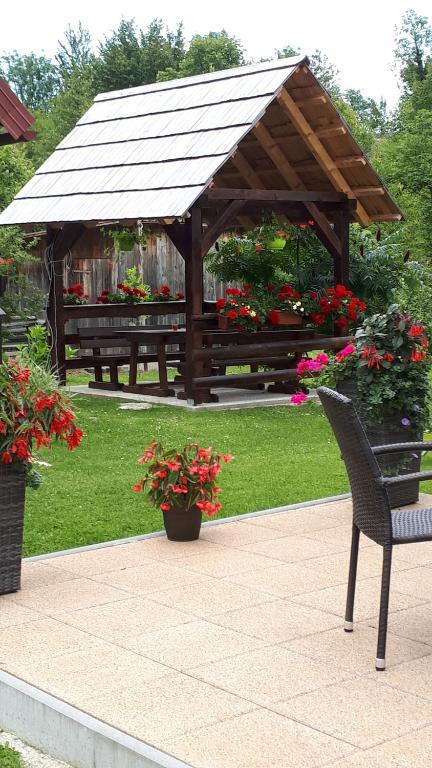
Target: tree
point(210, 53)
point(324, 70)
point(370, 113)
point(413, 48)
point(132, 57)
point(34, 79)
point(74, 52)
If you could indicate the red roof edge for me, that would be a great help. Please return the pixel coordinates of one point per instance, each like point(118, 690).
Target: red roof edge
point(14, 117)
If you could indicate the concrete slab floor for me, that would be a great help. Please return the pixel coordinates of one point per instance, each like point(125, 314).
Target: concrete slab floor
point(229, 652)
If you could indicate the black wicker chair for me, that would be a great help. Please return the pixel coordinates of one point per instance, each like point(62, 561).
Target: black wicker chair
point(372, 514)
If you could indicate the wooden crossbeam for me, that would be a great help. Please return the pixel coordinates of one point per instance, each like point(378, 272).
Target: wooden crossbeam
point(312, 100)
point(279, 195)
point(331, 130)
point(350, 161)
point(368, 191)
point(323, 229)
point(314, 144)
point(386, 217)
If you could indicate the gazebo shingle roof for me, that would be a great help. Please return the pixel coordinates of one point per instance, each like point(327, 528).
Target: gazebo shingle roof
point(150, 152)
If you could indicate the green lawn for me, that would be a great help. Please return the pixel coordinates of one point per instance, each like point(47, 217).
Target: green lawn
point(282, 455)
point(9, 758)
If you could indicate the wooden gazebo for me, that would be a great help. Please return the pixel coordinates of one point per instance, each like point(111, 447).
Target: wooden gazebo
point(198, 156)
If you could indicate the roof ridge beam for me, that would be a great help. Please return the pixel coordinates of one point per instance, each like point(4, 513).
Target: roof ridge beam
point(314, 144)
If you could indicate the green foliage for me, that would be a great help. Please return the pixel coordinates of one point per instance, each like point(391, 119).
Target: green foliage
point(132, 57)
point(250, 259)
point(35, 79)
point(9, 758)
point(413, 49)
point(74, 52)
point(208, 53)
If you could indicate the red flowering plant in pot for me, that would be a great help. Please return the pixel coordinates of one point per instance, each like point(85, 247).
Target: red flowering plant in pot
point(240, 310)
point(75, 295)
point(33, 413)
point(183, 484)
point(384, 371)
point(334, 307)
point(164, 294)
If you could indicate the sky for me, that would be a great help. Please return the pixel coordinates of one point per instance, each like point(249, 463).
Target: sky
point(357, 38)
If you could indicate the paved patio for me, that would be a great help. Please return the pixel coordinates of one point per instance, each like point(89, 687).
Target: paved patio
point(229, 652)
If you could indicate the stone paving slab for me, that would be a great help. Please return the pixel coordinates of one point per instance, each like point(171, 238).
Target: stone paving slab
point(229, 652)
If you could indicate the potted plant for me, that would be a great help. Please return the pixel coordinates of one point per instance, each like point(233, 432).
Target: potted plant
point(33, 413)
point(334, 307)
point(183, 485)
point(385, 372)
point(131, 291)
point(74, 295)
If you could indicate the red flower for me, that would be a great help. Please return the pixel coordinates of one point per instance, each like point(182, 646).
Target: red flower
point(180, 295)
point(416, 330)
point(259, 248)
point(137, 488)
point(165, 507)
point(341, 322)
point(388, 357)
point(232, 314)
point(243, 312)
point(418, 356)
point(6, 457)
point(221, 303)
point(233, 292)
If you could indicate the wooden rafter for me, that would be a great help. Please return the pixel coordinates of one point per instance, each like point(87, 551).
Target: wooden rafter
point(386, 217)
point(312, 100)
point(317, 148)
point(251, 177)
point(350, 161)
point(290, 175)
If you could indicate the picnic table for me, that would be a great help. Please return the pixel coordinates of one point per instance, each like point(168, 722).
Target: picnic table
point(160, 338)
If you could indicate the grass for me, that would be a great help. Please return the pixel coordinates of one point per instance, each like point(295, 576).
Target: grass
point(282, 455)
point(9, 758)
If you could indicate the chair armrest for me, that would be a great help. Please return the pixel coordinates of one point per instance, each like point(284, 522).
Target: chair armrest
point(406, 478)
point(401, 447)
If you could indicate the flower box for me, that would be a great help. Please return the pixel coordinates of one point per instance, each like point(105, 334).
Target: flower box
point(12, 496)
point(223, 323)
point(289, 318)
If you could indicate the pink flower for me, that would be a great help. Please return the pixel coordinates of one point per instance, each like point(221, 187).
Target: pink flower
point(346, 351)
point(298, 398)
point(322, 358)
point(302, 367)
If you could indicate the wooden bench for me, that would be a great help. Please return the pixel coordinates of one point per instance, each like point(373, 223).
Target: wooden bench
point(104, 343)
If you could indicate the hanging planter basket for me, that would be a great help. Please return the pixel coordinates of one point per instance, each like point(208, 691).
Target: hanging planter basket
point(181, 525)
point(12, 499)
point(124, 241)
point(277, 244)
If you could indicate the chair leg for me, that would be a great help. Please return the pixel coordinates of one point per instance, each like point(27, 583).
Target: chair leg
point(384, 606)
point(349, 612)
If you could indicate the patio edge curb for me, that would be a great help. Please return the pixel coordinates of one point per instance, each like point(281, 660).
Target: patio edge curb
point(69, 734)
point(221, 521)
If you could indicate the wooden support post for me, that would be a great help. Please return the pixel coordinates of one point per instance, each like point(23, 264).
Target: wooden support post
point(59, 243)
point(194, 305)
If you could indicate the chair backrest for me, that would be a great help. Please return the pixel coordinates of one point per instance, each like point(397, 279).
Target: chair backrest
point(371, 508)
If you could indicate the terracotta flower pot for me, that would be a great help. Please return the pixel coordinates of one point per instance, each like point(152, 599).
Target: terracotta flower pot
point(12, 498)
point(289, 318)
point(181, 525)
point(223, 322)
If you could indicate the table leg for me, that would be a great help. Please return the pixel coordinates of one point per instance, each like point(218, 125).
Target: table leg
point(133, 364)
point(162, 365)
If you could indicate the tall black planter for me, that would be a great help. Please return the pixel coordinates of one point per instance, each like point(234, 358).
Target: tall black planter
point(12, 498)
point(390, 430)
point(3, 284)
